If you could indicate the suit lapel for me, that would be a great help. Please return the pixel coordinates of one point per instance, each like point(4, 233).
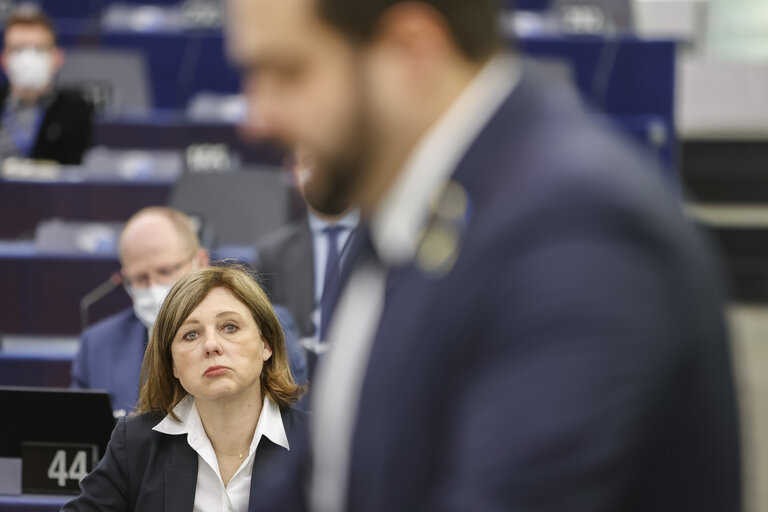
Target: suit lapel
point(273, 485)
point(299, 271)
point(306, 271)
point(180, 476)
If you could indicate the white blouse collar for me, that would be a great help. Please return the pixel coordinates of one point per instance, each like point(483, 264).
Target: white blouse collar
point(270, 424)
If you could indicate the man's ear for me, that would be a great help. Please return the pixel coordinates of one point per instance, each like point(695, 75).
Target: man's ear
point(119, 278)
point(58, 59)
point(415, 28)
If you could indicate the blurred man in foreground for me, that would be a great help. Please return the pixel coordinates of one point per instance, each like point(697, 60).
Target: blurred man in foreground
point(529, 324)
point(157, 246)
point(39, 120)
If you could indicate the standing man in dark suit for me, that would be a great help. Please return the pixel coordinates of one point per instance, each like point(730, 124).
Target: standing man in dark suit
point(296, 261)
point(529, 323)
point(39, 120)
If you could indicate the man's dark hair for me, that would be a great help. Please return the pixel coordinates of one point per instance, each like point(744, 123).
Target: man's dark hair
point(31, 16)
point(474, 24)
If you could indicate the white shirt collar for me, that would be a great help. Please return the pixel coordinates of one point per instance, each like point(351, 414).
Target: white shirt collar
point(270, 424)
point(349, 221)
point(400, 217)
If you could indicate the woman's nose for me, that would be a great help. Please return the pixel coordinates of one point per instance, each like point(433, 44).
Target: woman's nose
point(212, 343)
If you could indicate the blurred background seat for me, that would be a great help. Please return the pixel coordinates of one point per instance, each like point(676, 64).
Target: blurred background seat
point(238, 207)
point(116, 81)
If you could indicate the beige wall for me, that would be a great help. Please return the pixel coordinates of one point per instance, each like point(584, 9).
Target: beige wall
point(739, 29)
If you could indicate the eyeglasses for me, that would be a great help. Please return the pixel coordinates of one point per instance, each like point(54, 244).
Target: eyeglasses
point(162, 275)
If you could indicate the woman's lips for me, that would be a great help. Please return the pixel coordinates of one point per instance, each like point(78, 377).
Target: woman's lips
point(215, 371)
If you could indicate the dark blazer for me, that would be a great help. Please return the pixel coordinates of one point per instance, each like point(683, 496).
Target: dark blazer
point(66, 130)
point(111, 352)
point(285, 262)
point(144, 470)
point(572, 359)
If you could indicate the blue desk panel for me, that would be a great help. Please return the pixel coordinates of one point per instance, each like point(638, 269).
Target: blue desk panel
point(41, 292)
point(23, 204)
point(625, 76)
point(63, 10)
point(33, 503)
point(169, 131)
point(526, 5)
point(36, 370)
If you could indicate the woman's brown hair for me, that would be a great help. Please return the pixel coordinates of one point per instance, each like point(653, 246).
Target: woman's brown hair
point(160, 390)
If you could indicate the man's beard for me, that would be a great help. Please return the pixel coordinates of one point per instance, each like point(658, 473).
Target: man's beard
point(331, 190)
point(335, 181)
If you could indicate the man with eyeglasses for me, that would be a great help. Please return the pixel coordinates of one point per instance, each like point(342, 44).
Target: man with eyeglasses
point(38, 119)
point(157, 247)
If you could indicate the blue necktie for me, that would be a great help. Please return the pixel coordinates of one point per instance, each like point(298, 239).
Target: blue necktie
point(331, 271)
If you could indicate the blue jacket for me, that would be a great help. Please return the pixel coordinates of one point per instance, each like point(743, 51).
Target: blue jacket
point(111, 352)
point(573, 359)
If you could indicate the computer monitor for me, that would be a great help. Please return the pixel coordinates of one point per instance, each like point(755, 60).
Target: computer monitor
point(54, 415)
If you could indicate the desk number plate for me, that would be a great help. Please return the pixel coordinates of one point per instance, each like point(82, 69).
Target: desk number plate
point(55, 468)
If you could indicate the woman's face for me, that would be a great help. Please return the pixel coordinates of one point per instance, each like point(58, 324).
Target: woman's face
point(218, 352)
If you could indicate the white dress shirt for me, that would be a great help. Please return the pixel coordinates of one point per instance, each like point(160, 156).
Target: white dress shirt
point(395, 232)
point(211, 495)
point(320, 249)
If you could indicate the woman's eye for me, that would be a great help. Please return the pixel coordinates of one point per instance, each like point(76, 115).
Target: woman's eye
point(230, 328)
point(191, 335)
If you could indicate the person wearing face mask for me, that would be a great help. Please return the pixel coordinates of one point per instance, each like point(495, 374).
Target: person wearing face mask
point(37, 119)
point(157, 246)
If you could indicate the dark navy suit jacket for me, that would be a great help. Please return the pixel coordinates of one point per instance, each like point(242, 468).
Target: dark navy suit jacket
point(573, 359)
point(110, 358)
point(111, 352)
point(144, 470)
point(285, 260)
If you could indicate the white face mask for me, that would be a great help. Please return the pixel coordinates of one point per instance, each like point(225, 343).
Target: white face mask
point(30, 68)
point(147, 302)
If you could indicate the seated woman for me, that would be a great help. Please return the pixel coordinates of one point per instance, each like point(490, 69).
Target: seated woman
point(214, 427)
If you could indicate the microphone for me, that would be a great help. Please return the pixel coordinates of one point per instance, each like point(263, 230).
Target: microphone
point(96, 295)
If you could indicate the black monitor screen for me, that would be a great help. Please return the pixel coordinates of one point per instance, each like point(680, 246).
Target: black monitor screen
point(53, 415)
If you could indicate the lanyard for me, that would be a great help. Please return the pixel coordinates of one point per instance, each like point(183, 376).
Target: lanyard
point(24, 140)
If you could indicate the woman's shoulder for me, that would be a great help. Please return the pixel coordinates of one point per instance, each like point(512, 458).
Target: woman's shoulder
point(139, 426)
point(144, 419)
point(135, 438)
